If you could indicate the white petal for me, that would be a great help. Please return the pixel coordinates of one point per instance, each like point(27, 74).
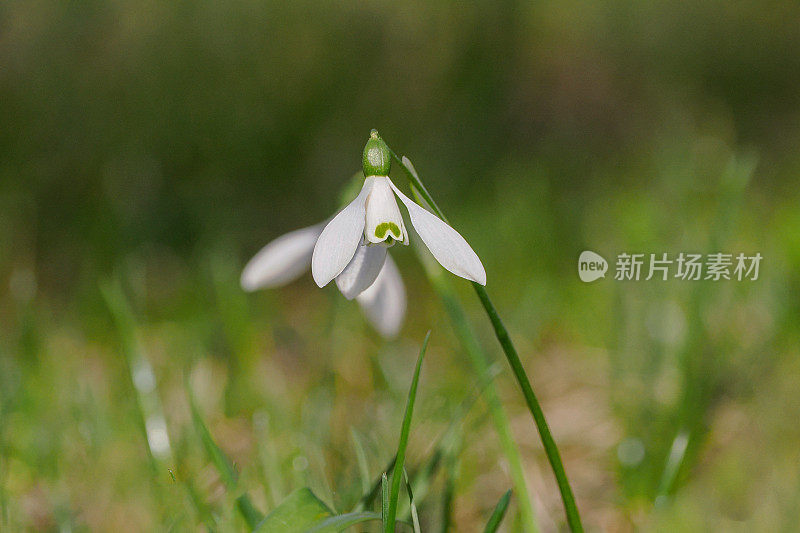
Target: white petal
point(282, 260)
point(384, 221)
point(362, 270)
point(445, 243)
point(384, 302)
point(338, 242)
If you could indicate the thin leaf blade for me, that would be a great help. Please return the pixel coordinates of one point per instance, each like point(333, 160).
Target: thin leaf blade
point(337, 523)
point(214, 452)
point(498, 513)
point(384, 499)
point(252, 516)
point(299, 511)
point(403, 444)
point(413, 507)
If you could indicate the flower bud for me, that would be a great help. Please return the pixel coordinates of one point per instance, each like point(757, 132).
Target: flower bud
point(377, 158)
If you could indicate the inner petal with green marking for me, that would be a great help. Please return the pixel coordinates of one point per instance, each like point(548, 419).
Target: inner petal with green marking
point(384, 223)
point(390, 227)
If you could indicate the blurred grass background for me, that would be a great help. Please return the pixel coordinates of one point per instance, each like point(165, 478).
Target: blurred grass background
point(151, 148)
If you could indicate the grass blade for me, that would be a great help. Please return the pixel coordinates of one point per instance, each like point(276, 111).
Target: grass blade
point(414, 515)
point(215, 454)
point(299, 511)
point(448, 492)
point(401, 447)
point(341, 522)
point(227, 472)
point(445, 446)
point(251, 515)
point(498, 514)
point(361, 457)
point(384, 499)
point(143, 378)
point(369, 497)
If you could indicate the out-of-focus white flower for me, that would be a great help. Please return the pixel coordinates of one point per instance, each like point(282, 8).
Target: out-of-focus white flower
point(384, 302)
point(286, 258)
point(282, 261)
point(354, 242)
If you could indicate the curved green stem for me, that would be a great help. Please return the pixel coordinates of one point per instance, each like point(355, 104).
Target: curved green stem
point(550, 447)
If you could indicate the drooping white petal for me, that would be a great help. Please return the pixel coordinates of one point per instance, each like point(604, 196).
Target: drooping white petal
point(361, 271)
point(444, 243)
point(338, 241)
point(384, 221)
point(282, 260)
point(384, 302)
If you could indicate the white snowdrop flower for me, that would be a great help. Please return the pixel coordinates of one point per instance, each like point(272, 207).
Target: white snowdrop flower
point(353, 244)
point(289, 256)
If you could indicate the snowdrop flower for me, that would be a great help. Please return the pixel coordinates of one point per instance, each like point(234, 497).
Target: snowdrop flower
point(289, 256)
point(352, 246)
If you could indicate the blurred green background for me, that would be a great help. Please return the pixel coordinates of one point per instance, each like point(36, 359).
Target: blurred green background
point(149, 149)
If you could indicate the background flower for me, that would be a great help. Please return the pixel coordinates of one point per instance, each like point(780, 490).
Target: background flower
point(289, 256)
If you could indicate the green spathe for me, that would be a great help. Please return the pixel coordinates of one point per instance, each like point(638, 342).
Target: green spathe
point(377, 158)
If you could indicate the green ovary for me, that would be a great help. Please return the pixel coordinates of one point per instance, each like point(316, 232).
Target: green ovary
point(383, 227)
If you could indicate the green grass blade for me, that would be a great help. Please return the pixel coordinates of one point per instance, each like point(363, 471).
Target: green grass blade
point(421, 482)
point(675, 458)
point(251, 515)
point(269, 467)
point(143, 378)
point(202, 508)
point(369, 497)
point(337, 523)
point(361, 457)
point(4, 522)
point(445, 446)
point(413, 507)
point(299, 511)
point(448, 493)
point(699, 371)
point(215, 454)
point(497, 515)
point(223, 464)
point(401, 447)
point(384, 499)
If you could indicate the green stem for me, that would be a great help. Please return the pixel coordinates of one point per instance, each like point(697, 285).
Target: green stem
point(550, 448)
point(553, 455)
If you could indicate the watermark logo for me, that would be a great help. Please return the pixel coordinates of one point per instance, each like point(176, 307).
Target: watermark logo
point(591, 266)
point(683, 266)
